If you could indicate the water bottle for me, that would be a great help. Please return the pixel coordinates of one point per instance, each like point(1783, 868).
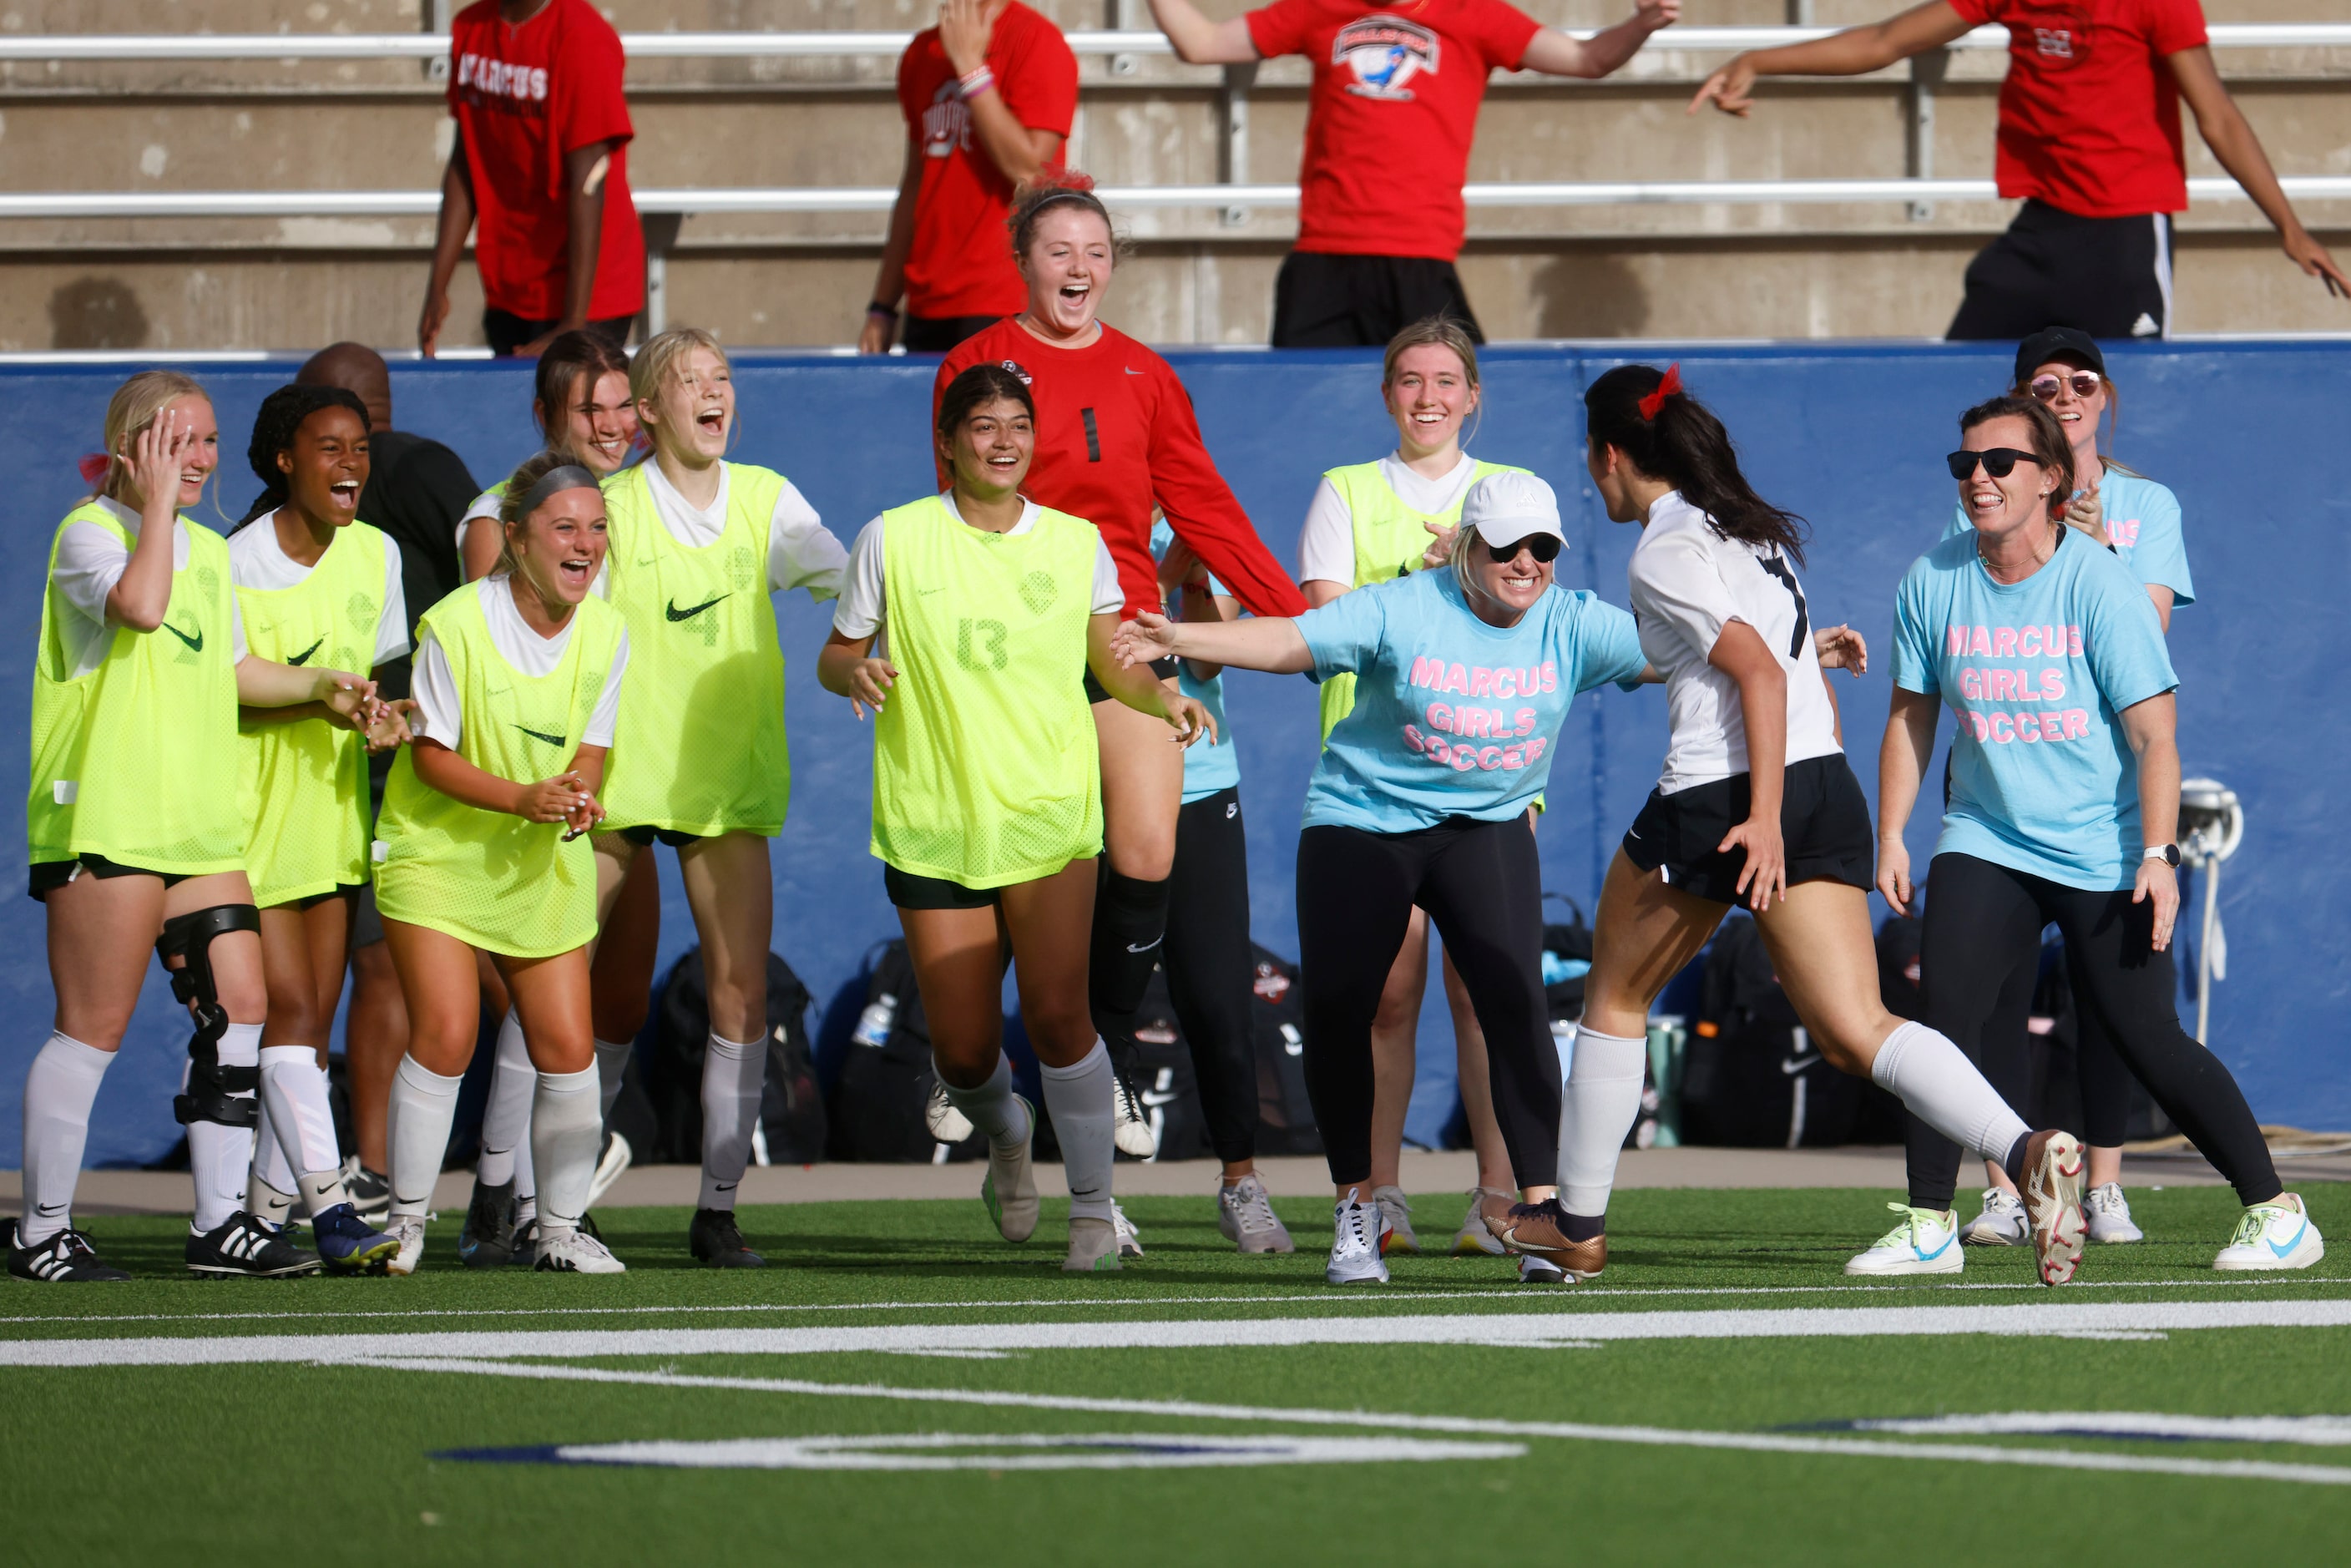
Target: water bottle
point(874, 1023)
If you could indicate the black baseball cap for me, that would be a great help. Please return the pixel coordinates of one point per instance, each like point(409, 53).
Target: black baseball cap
point(2057, 343)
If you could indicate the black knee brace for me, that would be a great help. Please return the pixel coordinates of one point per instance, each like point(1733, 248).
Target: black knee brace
point(215, 1093)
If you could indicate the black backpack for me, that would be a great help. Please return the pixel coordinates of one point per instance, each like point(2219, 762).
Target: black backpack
point(1752, 1079)
point(1285, 1117)
point(791, 1126)
point(886, 1075)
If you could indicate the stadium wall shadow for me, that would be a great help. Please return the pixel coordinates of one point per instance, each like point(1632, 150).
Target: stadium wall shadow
point(1851, 436)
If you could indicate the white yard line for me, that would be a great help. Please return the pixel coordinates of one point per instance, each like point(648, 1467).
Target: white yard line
point(1529, 1330)
point(1647, 1437)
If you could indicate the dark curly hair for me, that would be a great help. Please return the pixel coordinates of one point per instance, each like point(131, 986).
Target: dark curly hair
point(1684, 445)
point(274, 429)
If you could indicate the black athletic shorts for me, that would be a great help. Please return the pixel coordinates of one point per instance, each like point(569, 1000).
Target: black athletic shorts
point(47, 876)
point(939, 334)
point(1361, 302)
point(1163, 668)
point(2111, 278)
point(909, 891)
point(645, 836)
point(1824, 828)
point(505, 331)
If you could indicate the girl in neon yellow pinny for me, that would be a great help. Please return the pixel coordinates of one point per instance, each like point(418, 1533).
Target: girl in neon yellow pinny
point(987, 787)
point(517, 691)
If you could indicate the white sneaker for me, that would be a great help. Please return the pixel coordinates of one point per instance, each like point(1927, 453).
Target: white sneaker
point(1131, 1128)
point(2108, 1213)
point(609, 1167)
point(2273, 1235)
point(1356, 1247)
point(574, 1252)
point(947, 1124)
point(1130, 1244)
point(1395, 1221)
point(1925, 1242)
point(2002, 1223)
point(1473, 1240)
point(1246, 1216)
point(408, 1229)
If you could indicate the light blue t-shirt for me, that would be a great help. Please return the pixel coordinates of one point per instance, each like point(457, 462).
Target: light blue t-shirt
point(2043, 778)
point(1206, 769)
point(1453, 718)
point(2142, 518)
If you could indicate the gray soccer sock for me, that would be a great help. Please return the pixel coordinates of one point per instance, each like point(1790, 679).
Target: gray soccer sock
point(1601, 1101)
point(993, 1108)
point(1079, 1101)
point(733, 1073)
point(423, 1107)
point(59, 1090)
point(565, 1133)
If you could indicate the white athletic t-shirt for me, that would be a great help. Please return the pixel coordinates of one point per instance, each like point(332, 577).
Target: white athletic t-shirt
point(90, 562)
point(439, 715)
point(1326, 545)
point(1689, 583)
point(862, 603)
point(258, 561)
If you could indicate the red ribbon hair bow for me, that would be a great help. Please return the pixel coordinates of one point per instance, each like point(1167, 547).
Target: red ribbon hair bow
point(1671, 385)
point(93, 466)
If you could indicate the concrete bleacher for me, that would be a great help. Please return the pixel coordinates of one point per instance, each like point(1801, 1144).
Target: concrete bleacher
point(1200, 275)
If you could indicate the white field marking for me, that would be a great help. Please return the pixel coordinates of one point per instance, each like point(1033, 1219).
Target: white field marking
point(2308, 1431)
point(1325, 1298)
point(1046, 1451)
point(1645, 1437)
point(1506, 1330)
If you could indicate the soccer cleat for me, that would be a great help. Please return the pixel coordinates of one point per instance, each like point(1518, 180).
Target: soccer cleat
point(1395, 1221)
point(947, 1124)
point(716, 1240)
point(1476, 1239)
point(1356, 1252)
point(1009, 1187)
point(1245, 1215)
point(347, 1244)
point(1534, 1270)
point(65, 1258)
point(1131, 1130)
point(610, 1166)
point(2273, 1235)
point(2002, 1223)
point(244, 1245)
point(576, 1252)
point(1130, 1240)
point(1926, 1241)
point(1539, 1231)
point(2107, 1213)
point(369, 1191)
point(408, 1231)
point(2053, 1204)
point(488, 1240)
point(1095, 1247)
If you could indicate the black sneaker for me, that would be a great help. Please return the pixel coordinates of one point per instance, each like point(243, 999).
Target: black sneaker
point(65, 1258)
point(526, 1243)
point(242, 1245)
point(716, 1241)
point(488, 1240)
point(370, 1192)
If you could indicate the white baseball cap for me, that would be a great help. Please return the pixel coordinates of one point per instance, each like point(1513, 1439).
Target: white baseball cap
point(1506, 507)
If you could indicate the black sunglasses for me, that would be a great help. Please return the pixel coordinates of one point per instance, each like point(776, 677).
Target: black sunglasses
point(1999, 462)
point(1545, 548)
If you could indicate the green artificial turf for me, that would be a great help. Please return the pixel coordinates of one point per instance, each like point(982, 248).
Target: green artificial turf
point(335, 1463)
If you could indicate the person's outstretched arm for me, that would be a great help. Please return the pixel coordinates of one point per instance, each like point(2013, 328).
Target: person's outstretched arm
point(1272, 643)
point(1200, 42)
point(2224, 129)
point(1855, 52)
point(1553, 53)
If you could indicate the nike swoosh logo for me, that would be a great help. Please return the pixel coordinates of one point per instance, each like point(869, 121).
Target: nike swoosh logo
point(2290, 1246)
point(676, 614)
point(554, 740)
point(302, 658)
point(1631, 834)
point(1796, 1064)
point(1146, 947)
point(1937, 1252)
point(1133, 371)
point(45, 1209)
point(195, 643)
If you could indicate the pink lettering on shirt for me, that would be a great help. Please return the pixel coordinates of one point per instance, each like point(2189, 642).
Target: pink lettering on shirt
point(2123, 531)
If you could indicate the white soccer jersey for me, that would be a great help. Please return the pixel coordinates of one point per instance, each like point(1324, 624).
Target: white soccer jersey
point(1689, 583)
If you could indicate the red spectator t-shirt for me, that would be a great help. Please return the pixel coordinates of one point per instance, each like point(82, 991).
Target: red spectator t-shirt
point(961, 262)
point(1115, 434)
point(525, 96)
point(1392, 115)
point(2089, 117)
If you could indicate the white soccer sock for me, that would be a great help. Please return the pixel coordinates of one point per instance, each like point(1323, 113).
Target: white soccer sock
point(611, 1066)
point(220, 1158)
point(1599, 1106)
point(269, 1189)
point(733, 1073)
point(1942, 1088)
point(297, 1125)
point(424, 1108)
point(566, 1132)
point(505, 1117)
point(993, 1108)
point(1079, 1100)
point(59, 1089)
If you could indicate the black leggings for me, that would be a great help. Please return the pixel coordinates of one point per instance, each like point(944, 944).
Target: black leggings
point(1210, 971)
point(1482, 886)
point(1983, 923)
point(2098, 1071)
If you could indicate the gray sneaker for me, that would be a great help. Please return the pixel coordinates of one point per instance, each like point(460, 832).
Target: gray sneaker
point(1246, 1216)
point(1395, 1221)
point(2108, 1213)
point(2002, 1223)
point(1355, 1243)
